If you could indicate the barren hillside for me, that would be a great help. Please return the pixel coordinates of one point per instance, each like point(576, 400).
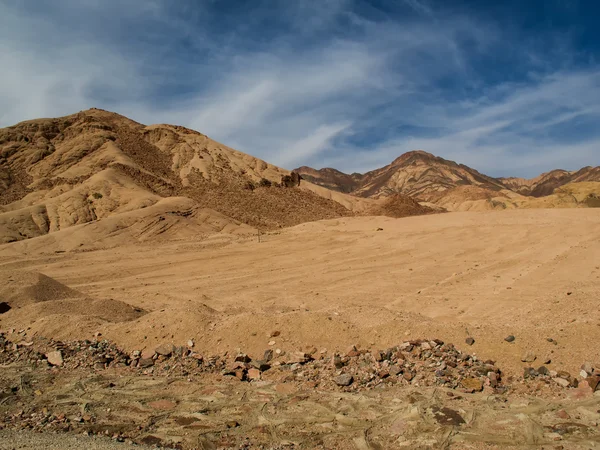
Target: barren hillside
point(78, 169)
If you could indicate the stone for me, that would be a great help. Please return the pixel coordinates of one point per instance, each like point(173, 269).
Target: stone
point(190, 343)
point(55, 358)
point(594, 382)
point(561, 382)
point(144, 363)
point(408, 375)
point(395, 370)
point(469, 341)
point(562, 414)
point(253, 374)
point(493, 377)
point(165, 349)
point(271, 343)
point(298, 358)
point(510, 338)
point(260, 365)
point(447, 416)
point(274, 333)
point(337, 362)
point(587, 368)
point(268, 355)
point(529, 357)
point(344, 380)
point(242, 357)
point(543, 370)
point(232, 424)
point(472, 383)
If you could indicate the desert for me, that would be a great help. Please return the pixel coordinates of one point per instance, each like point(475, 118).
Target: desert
point(158, 288)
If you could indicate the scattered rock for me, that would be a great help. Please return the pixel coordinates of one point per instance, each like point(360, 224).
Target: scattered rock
point(509, 338)
point(344, 380)
point(470, 341)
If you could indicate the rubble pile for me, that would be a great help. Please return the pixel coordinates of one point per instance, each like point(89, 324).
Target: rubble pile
point(417, 362)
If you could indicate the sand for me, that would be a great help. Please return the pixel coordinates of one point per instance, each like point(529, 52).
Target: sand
point(534, 274)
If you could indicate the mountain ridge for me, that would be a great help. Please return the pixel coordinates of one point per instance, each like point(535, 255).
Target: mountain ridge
point(425, 176)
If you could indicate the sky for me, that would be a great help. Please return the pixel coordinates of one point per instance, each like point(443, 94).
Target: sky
point(511, 88)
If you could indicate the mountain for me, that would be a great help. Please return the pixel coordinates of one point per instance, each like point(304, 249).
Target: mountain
point(331, 178)
point(69, 172)
point(418, 174)
point(546, 183)
point(439, 183)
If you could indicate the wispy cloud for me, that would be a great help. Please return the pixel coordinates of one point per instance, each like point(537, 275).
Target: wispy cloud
point(322, 83)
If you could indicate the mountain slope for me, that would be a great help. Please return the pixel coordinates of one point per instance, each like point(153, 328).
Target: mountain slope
point(62, 172)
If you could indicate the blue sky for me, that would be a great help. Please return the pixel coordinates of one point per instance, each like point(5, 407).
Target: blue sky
point(507, 87)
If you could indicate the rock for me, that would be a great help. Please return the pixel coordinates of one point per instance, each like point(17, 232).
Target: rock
point(563, 374)
point(271, 343)
point(268, 355)
point(470, 341)
point(395, 370)
point(587, 368)
point(344, 380)
point(165, 349)
point(260, 365)
point(583, 374)
point(55, 358)
point(510, 338)
point(337, 362)
point(529, 357)
point(408, 375)
point(298, 358)
point(561, 381)
point(242, 357)
point(594, 382)
point(543, 370)
point(232, 424)
point(253, 374)
point(562, 414)
point(190, 343)
point(274, 333)
point(474, 384)
point(447, 416)
point(493, 377)
point(144, 363)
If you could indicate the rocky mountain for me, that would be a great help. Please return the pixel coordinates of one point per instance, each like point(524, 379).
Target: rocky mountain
point(546, 183)
point(331, 178)
point(432, 179)
point(95, 165)
point(418, 174)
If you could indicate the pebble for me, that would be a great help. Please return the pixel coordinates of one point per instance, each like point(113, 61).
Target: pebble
point(470, 341)
point(510, 338)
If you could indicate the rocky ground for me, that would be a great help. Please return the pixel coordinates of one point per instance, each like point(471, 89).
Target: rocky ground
point(418, 394)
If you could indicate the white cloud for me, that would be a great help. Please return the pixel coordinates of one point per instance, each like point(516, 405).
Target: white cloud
point(354, 101)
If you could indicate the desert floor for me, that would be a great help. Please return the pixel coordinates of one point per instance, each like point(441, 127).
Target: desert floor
point(369, 281)
point(534, 274)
